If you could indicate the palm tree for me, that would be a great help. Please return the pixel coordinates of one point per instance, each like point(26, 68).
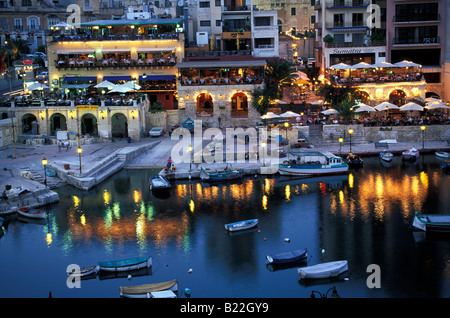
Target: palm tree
point(18, 47)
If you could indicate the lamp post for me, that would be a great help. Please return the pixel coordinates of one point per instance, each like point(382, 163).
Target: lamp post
point(44, 162)
point(350, 131)
point(79, 150)
point(423, 136)
point(341, 140)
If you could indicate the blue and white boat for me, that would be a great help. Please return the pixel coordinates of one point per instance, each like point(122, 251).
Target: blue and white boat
point(288, 257)
point(241, 225)
point(386, 156)
point(311, 163)
point(126, 264)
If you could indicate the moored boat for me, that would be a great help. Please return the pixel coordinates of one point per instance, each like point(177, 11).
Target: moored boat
point(313, 163)
point(411, 154)
point(126, 264)
point(288, 257)
point(241, 225)
point(386, 156)
point(85, 271)
point(220, 176)
point(323, 270)
point(442, 154)
point(158, 182)
point(437, 223)
point(156, 290)
point(446, 166)
point(354, 160)
point(32, 213)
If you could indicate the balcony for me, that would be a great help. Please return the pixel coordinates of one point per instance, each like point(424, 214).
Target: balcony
point(353, 44)
point(347, 26)
point(426, 18)
point(335, 4)
point(115, 37)
point(425, 41)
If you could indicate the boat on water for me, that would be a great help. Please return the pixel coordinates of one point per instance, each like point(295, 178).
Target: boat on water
point(436, 223)
point(158, 183)
point(126, 264)
point(411, 154)
point(241, 225)
point(220, 176)
point(354, 160)
point(32, 213)
point(288, 257)
point(446, 166)
point(323, 270)
point(157, 290)
point(442, 154)
point(386, 156)
point(310, 163)
point(85, 271)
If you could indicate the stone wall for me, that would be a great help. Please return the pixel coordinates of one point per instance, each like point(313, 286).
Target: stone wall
point(6, 131)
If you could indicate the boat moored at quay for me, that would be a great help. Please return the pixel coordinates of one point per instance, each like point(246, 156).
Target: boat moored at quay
point(312, 163)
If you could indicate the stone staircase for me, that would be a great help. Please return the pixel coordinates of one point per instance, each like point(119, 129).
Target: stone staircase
point(30, 173)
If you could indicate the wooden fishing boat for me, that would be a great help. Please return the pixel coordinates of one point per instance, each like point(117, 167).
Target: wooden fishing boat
point(85, 271)
point(436, 223)
point(32, 213)
point(241, 225)
point(158, 183)
point(313, 163)
point(157, 290)
point(442, 154)
point(323, 270)
point(410, 155)
point(220, 176)
point(288, 257)
point(126, 264)
point(386, 156)
point(354, 160)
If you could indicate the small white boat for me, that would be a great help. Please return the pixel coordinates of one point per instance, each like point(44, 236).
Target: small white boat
point(438, 223)
point(83, 272)
point(312, 164)
point(323, 270)
point(411, 154)
point(126, 265)
point(386, 156)
point(241, 225)
point(442, 154)
point(32, 213)
point(157, 290)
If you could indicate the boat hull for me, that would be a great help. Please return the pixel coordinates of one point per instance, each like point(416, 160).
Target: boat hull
point(312, 171)
point(32, 213)
point(150, 290)
point(435, 223)
point(241, 225)
point(323, 270)
point(288, 257)
point(442, 154)
point(159, 183)
point(220, 176)
point(125, 265)
point(86, 271)
point(386, 156)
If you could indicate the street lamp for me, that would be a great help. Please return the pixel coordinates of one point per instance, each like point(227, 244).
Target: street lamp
point(79, 150)
point(44, 162)
point(350, 131)
point(341, 140)
point(423, 136)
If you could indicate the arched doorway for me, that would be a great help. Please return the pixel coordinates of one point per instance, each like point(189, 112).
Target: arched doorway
point(239, 105)
point(362, 97)
point(89, 125)
point(30, 125)
point(119, 125)
point(205, 104)
point(57, 122)
point(397, 97)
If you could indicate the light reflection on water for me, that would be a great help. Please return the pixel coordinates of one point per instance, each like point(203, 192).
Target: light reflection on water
point(363, 217)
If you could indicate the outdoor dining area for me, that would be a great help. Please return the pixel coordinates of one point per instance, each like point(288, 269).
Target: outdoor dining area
point(375, 73)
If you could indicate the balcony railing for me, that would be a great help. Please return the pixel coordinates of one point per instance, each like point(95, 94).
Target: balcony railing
point(115, 37)
point(423, 41)
point(152, 62)
point(353, 44)
point(351, 24)
point(346, 3)
point(417, 19)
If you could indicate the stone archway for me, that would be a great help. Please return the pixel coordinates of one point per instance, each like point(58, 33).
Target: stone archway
point(30, 125)
point(205, 103)
point(239, 105)
point(119, 125)
point(363, 97)
point(57, 122)
point(89, 125)
point(397, 97)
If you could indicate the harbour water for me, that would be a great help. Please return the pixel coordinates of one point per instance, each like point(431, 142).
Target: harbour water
point(364, 217)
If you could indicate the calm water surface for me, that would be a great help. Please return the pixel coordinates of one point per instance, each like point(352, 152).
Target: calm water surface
point(364, 217)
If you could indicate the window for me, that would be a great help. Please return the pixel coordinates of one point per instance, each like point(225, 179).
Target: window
point(338, 20)
point(218, 3)
point(218, 23)
point(262, 21)
point(204, 4)
point(205, 23)
point(18, 24)
point(293, 11)
point(33, 23)
point(357, 19)
point(26, 3)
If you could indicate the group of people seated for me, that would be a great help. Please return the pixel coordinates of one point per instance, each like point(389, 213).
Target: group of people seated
point(214, 80)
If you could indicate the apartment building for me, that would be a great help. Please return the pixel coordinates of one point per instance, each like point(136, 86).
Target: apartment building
point(346, 32)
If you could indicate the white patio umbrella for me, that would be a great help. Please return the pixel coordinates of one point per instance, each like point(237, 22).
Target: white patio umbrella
point(133, 85)
point(383, 64)
point(270, 115)
point(385, 105)
point(330, 111)
point(121, 89)
point(289, 114)
point(104, 84)
point(411, 106)
point(363, 108)
point(341, 66)
point(362, 65)
point(301, 74)
point(406, 63)
point(36, 86)
point(435, 105)
point(62, 25)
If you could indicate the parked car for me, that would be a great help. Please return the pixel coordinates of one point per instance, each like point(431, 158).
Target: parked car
point(42, 76)
point(40, 54)
point(156, 132)
point(311, 62)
